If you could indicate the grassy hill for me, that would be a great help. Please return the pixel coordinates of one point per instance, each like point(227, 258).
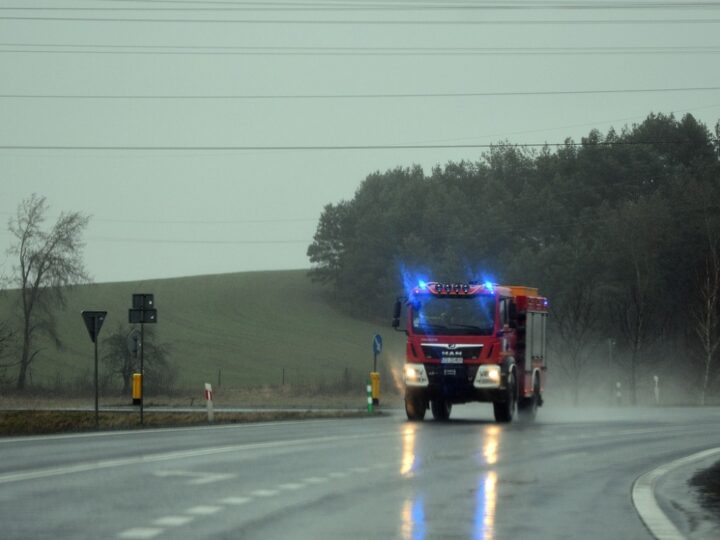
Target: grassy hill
point(250, 326)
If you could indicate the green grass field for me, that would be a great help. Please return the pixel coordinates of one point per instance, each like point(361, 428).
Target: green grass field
point(248, 326)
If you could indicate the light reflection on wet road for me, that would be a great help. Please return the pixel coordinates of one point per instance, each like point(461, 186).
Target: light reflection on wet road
point(413, 520)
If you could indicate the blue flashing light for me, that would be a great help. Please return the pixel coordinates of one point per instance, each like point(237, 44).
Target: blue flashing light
point(413, 280)
point(488, 286)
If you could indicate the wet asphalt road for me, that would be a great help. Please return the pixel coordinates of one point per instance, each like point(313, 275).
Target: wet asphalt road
point(568, 475)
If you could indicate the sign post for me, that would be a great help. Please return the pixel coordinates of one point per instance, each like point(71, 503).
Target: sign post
point(93, 322)
point(143, 312)
point(374, 375)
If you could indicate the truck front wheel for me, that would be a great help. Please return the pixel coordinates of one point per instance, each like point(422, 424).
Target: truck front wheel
point(440, 409)
point(505, 410)
point(415, 407)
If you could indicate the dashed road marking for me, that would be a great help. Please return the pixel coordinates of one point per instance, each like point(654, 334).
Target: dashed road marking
point(140, 532)
point(206, 510)
point(290, 487)
point(173, 521)
point(196, 478)
point(315, 480)
point(236, 501)
point(264, 493)
point(203, 510)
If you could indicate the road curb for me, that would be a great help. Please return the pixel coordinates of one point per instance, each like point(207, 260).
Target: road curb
point(646, 505)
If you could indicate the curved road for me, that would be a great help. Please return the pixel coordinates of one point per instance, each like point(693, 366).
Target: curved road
point(569, 475)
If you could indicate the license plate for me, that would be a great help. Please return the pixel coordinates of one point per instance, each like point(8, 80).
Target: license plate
point(452, 360)
point(449, 372)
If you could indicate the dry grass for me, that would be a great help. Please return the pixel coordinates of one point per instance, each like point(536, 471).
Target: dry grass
point(43, 422)
point(286, 397)
point(27, 414)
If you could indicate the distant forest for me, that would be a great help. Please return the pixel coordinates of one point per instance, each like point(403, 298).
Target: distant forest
point(620, 231)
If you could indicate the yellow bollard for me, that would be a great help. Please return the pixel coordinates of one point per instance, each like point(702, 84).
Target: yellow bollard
point(375, 381)
point(137, 388)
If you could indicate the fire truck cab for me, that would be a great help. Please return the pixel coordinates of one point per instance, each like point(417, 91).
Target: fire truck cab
point(473, 342)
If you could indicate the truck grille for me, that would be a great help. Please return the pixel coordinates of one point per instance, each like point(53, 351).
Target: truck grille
point(439, 351)
point(449, 374)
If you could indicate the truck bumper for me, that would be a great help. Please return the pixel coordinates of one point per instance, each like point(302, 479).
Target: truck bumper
point(455, 384)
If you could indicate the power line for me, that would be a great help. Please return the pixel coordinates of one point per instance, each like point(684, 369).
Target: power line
point(179, 50)
point(318, 148)
point(369, 22)
point(213, 242)
point(203, 221)
point(358, 96)
point(402, 6)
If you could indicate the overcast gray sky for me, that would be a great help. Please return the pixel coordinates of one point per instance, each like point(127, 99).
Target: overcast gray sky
point(302, 74)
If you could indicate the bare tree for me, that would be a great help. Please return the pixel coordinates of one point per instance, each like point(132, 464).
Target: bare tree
point(160, 373)
point(575, 316)
point(706, 314)
point(46, 262)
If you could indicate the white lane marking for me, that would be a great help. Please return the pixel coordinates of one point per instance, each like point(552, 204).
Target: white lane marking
point(337, 475)
point(264, 493)
point(361, 469)
point(173, 521)
point(290, 487)
point(643, 496)
point(125, 433)
point(235, 501)
point(315, 480)
point(170, 456)
point(573, 455)
point(140, 533)
point(203, 510)
point(198, 478)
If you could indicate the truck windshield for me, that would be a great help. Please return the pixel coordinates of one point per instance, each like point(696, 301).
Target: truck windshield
point(454, 316)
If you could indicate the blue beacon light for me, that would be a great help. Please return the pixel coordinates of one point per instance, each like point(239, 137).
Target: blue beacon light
point(422, 285)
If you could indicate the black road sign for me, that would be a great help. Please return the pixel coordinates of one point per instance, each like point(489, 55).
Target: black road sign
point(94, 321)
point(143, 301)
point(137, 316)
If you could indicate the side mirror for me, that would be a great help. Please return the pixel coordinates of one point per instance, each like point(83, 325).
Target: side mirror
point(396, 314)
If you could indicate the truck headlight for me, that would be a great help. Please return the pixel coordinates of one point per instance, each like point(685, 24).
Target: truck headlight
point(488, 376)
point(415, 375)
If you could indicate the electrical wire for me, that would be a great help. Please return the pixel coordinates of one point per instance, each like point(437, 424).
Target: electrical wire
point(371, 22)
point(422, 95)
point(180, 50)
point(318, 148)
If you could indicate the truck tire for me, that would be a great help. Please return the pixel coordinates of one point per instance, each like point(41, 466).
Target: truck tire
point(505, 410)
point(528, 410)
point(441, 409)
point(414, 407)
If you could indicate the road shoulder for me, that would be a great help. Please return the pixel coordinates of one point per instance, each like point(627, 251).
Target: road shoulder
point(669, 506)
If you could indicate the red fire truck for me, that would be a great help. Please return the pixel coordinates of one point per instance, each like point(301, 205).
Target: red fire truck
point(473, 342)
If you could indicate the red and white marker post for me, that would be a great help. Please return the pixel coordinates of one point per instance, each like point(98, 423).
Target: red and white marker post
point(209, 401)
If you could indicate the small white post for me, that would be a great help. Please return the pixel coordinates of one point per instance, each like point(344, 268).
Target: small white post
point(209, 402)
point(618, 392)
point(657, 389)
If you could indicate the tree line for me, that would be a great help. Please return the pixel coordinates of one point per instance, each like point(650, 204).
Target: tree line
point(620, 231)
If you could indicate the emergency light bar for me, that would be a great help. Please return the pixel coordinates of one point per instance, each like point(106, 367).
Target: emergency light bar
point(454, 289)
